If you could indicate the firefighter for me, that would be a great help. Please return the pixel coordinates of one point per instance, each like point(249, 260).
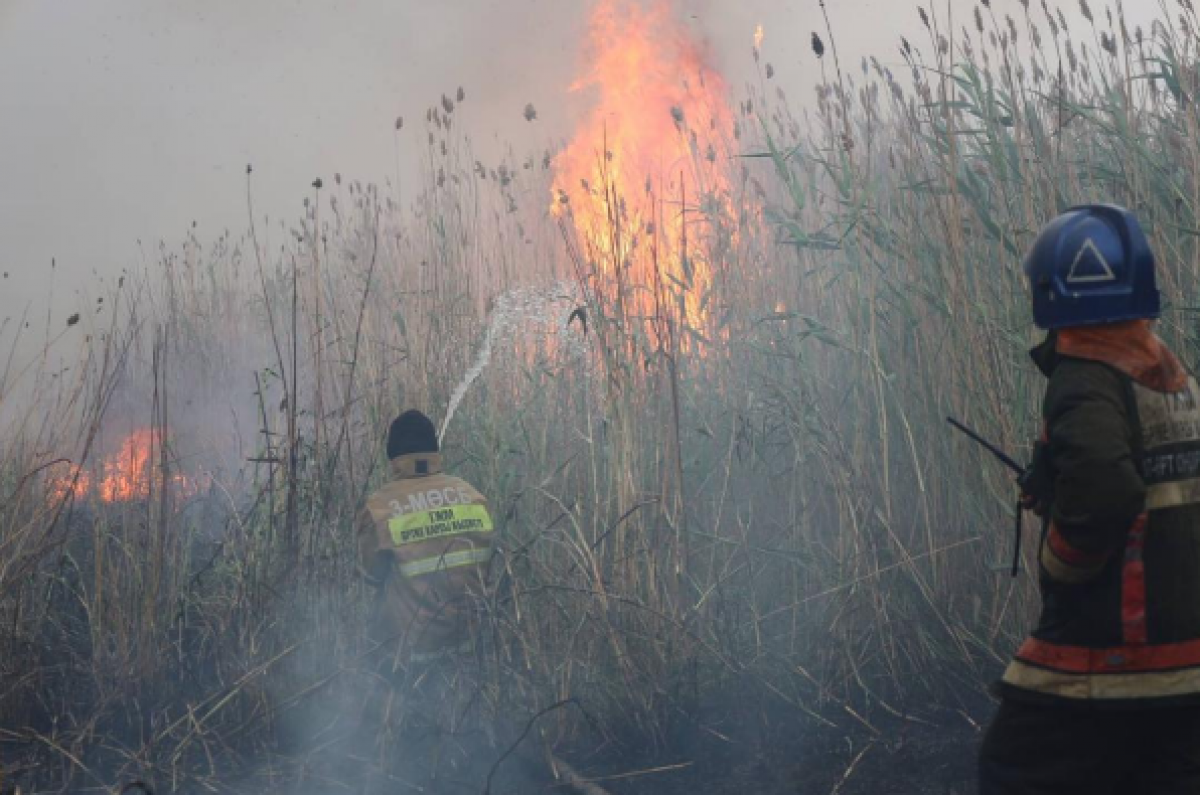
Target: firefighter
point(425, 542)
point(1104, 696)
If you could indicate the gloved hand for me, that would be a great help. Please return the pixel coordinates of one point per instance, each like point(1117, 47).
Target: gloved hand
point(1037, 482)
point(381, 568)
point(1031, 503)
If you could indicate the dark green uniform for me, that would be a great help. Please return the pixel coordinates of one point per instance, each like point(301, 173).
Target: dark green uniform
point(1104, 696)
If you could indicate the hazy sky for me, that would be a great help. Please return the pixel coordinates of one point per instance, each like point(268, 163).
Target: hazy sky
point(123, 120)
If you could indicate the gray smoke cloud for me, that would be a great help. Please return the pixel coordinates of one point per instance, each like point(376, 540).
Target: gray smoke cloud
point(125, 121)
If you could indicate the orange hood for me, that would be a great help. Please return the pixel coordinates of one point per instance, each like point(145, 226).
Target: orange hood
point(1131, 347)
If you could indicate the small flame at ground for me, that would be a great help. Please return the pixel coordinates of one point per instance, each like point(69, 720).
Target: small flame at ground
point(758, 37)
point(655, 136)
point(129, 474)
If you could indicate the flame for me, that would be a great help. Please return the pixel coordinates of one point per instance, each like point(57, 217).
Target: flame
point(76, 483)
point(127, 475)
point(651, 140)
point(758, 37)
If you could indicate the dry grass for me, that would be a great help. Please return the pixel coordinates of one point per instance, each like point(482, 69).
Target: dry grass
point(764, 503)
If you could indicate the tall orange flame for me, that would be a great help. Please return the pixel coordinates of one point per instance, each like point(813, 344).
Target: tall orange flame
point(655, 137)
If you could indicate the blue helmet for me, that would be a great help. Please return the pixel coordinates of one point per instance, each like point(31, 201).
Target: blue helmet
point(1091, 265)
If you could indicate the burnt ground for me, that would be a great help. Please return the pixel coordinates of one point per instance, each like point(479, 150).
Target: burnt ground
point(927, 760)
point(782, 754)
point(902, 756)
point(743, 741)
point(913, 756)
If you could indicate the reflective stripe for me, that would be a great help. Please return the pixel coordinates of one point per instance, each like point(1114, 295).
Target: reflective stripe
point(1114, 660)
point(1150, 684)
point(454, 520)
point(450, 560)
point(1133, 585)
point(1170, 461)
point(1065, 563)
point(1072, 555)
point(1173, 495)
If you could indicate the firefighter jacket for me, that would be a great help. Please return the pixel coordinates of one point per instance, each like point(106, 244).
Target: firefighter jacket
point(1120, 557)
point(426, 539)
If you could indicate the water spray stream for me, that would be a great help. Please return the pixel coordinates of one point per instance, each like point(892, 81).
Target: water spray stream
point(481, 360)
point(514, 309)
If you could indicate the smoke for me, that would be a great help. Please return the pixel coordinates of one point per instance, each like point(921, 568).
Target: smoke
point(137, 127)
point(139, 116)
point(143, 114)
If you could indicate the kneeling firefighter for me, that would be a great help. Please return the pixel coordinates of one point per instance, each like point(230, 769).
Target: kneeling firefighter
point(425, 542)
point(1104, 696)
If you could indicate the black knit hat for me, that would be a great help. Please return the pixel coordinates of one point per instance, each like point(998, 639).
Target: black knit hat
point(411, 432)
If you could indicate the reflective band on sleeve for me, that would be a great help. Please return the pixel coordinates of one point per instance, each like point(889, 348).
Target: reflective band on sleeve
point(451, 560)
point(1065, 563)
point(453, 520)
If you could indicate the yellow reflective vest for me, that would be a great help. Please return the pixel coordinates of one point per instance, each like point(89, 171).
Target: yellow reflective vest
point(435, 533)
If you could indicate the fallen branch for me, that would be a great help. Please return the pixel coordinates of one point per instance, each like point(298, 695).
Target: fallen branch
point(631, 774)
point(569, 776)
point(487, 787)
point(850, 769)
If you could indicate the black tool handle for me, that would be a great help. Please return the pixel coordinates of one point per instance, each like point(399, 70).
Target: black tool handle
point(1003, 457)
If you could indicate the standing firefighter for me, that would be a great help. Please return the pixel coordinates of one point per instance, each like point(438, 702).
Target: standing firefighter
point(1104, 697)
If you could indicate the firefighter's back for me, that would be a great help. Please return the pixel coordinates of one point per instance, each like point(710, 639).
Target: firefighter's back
point(438, 532)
